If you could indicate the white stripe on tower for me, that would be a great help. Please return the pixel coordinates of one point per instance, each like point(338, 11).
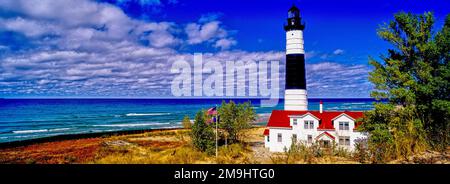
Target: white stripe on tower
point(294, 42)
point(295, 99)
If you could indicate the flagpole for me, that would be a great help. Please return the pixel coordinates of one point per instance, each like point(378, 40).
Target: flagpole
point(217, 122)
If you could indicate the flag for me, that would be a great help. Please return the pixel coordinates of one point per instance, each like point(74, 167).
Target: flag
point(212, 120)
point(212, 111)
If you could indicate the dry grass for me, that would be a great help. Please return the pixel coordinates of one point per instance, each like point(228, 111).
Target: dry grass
point(158, 147)
point(172, 146)
point(426, 157)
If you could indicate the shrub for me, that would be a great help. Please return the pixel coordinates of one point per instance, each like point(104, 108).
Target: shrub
point(234, 118)
point(202, 135)
point(341, 152)
point(361, 152)
point(299, 151)
point(186, 122)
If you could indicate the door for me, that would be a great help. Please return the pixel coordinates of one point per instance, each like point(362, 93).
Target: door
point(325, 143)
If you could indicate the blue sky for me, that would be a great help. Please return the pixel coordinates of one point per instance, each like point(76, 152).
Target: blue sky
point(124, 48)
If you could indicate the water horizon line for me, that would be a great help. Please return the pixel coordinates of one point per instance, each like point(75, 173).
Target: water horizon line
point(166, 98)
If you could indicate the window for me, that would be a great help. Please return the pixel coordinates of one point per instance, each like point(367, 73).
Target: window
point(309, 138)
point(294, 137)
point(279, 137)
point(344, 140)
point(268, 138)
point(294, 121)
point(309, 124)
point(344, 125)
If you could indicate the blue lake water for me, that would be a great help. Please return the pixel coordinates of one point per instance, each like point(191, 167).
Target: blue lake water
point(22, 119)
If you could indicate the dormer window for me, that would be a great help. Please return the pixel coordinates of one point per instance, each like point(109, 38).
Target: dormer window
point(294, 121)
point(344, 125)
point(309, 124)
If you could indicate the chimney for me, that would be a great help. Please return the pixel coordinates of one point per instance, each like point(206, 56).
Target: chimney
point(321, 107)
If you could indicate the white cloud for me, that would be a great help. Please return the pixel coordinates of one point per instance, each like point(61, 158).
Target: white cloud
point(161, 35)
point(30, 28)
point(310, 54)
point(225, 43)
point(198, 33)
point(209, 17)
point(209, 30)
point(332, 79)
point(86, 48)
point(338, 52)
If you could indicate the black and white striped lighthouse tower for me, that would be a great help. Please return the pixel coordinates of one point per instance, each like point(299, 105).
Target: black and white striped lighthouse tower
point(295, 95)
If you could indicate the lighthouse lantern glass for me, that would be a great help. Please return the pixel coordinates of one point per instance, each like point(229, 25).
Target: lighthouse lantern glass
point(292, 14)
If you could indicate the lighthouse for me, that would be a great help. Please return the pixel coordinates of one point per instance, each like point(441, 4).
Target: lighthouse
point(296, 122)
point(295, 95)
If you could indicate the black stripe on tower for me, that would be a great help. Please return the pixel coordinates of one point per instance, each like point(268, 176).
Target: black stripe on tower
point(295, 71)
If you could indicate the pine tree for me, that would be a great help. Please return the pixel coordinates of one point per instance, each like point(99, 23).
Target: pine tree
point(414, 76)
point(202, 134)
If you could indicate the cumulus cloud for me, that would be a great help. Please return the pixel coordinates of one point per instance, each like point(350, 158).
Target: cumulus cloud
point(331, 79)
point(30, 28)
point(198, 33)
point(83, 48)
point(209, 30)
point(161, 35)
point(87, 48)
point(225, 43)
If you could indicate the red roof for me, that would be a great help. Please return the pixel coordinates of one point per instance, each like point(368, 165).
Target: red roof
point(327, 134)
point(266, 131)
point(280, 118)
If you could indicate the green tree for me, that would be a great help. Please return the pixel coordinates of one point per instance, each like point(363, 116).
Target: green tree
point(202, 134)
point(414, 76)
point(186, 122)
point(234, 118)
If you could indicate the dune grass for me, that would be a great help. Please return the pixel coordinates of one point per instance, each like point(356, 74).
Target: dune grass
point(167, 147)
point(175, 147)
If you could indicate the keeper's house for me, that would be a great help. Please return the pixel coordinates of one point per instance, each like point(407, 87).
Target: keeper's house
point(308, 127)
point(296, 122)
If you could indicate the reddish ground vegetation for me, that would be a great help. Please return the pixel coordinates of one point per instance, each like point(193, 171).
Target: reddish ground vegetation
point(58, 152)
